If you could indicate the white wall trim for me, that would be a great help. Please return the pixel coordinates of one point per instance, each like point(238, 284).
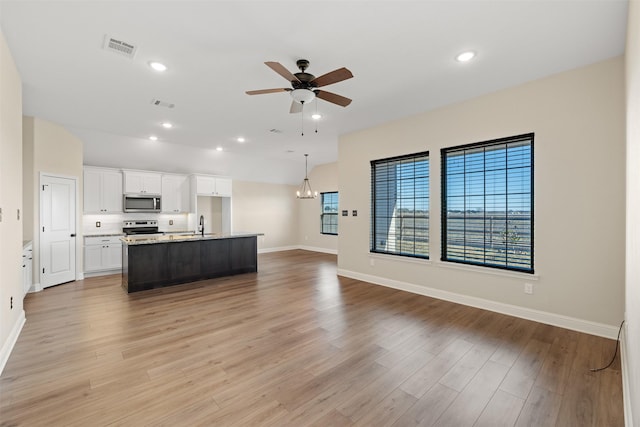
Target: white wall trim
point(88, 274)
point(566, 322)
point(8, 345)
point(626, 389)
point(318, 249)
point(36, 287)
point(277, 249)
point(292, 248)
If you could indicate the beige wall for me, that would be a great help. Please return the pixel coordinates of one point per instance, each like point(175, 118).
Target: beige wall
point(323, 178)
point(271, 209)
point(53, 151)
point(578, 120)
point(632, 332)
point(211, 209)
point(11, 319)
point(28, 178)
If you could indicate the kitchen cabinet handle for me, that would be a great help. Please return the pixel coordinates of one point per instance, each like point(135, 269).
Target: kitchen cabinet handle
point(73, 235)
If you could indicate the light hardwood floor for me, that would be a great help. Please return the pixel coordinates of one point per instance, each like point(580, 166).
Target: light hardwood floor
point(295, 345)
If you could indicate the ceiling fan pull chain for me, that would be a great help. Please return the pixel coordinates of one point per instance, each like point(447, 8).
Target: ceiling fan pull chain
point(316, 116)
point(302, 118)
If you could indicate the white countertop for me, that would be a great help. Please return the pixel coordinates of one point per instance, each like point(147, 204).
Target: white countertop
point(141, 239)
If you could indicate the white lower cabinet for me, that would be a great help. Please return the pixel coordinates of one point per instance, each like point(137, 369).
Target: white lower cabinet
point(102, 253)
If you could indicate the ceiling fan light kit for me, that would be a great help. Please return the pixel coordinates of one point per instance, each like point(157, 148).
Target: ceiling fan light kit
point(303, 96)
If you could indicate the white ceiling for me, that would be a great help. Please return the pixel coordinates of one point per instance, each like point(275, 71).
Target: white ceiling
point(400, 52)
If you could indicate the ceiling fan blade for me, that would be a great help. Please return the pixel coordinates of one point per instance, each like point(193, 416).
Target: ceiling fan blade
point(296, 107)
point(279, 68)
point(261, 91)
point(332, 77)
point(333, 98)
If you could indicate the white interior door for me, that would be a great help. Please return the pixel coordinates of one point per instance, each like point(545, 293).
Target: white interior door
point(57, 230)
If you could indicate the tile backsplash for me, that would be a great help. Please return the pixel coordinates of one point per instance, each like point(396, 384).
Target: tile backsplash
point(112, 223)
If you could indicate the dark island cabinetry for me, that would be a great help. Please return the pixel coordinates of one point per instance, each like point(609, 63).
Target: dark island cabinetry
point(165, 263)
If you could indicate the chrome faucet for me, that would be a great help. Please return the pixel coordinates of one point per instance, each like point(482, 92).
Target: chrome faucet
point(202, 225)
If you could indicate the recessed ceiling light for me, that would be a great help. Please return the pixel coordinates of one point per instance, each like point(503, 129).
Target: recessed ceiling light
point(240, 139)
point(465, 56)
point(153, 138)
point(167, 125)
point(218, 148)
point(158, 66)
point(316, 116)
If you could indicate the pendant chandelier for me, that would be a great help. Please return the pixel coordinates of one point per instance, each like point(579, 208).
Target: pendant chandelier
point(305, 191)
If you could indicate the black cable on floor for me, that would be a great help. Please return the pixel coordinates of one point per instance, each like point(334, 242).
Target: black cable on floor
point(614, 354)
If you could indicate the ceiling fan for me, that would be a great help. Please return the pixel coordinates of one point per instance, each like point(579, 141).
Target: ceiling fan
point(304, 86)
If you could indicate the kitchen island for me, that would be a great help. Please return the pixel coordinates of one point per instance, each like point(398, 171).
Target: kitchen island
point(155, 261)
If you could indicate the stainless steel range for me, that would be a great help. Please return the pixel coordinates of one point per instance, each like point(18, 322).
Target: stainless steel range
point(144, 226)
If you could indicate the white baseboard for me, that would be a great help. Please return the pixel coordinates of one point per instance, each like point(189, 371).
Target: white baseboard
point(277, 249)
point(7, 346)
point(292, 248)
point(100, 273)
point(580, 325)
point(317, 249)
point(36, 287)
point(626, 389)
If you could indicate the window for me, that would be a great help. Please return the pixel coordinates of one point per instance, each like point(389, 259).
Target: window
point(400, 205)
point(329, 215)
point(487, 203)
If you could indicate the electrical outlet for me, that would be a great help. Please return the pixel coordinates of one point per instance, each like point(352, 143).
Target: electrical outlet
point(306, 237)
point(528, 288)
point(98, 224)
point(372, 262)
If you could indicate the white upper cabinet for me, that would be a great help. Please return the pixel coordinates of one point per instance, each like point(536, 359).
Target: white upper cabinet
point(102, 190)
point(175, 193)
point(136, 182)
point(212, 186)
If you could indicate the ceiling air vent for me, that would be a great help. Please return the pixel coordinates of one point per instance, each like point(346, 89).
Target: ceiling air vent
point(165, 104)
point(120, 47)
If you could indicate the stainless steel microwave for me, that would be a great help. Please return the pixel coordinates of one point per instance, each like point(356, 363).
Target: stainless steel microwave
point(141, 203)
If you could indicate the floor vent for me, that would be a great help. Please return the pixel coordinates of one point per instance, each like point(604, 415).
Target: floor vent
point(120, 47)
point(165, 104)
